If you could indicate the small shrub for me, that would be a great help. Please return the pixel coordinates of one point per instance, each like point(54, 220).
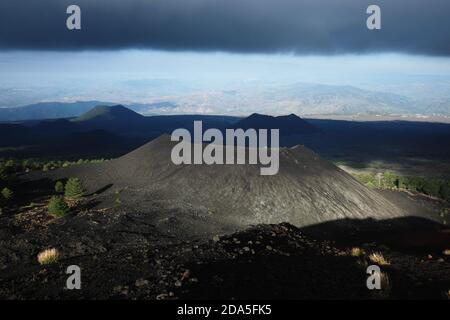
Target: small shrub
point(57, 207)
point(48, 256)
point(59, 187)
point(74, 188)
point(7, 194)
point(378, 258)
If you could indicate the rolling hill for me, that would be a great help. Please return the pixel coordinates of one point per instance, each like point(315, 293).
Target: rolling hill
point(288, 125)
point(47, 110)
point(58, 110)
point(109, 113)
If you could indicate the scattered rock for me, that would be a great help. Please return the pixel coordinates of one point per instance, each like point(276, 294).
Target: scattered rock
point(162, 296)
point(185, 275)
point(141, 283)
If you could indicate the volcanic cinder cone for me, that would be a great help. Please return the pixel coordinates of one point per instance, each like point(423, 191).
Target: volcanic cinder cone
point(307, 189)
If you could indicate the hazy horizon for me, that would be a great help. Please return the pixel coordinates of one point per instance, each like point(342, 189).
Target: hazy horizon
point(190, 78)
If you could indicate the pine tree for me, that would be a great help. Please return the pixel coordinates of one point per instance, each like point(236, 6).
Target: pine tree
point(59, 187)
point(57, 207)
point(74, 189)
point(7, 194)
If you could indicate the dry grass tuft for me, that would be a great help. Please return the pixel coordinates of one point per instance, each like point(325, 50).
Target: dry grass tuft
point(356, 252)
point(378, 258)
point(48, 256)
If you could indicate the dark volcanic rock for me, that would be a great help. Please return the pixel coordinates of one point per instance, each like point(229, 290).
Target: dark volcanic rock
point(122, 256)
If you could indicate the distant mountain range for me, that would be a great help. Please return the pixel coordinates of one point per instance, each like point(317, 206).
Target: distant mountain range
point(127, 128)
point(57, 110)
point(111, 131)
point(47, 110)
point(298, 98)
point(122, 120)
point(332, 99)
point(288, 125)
point(304, 99)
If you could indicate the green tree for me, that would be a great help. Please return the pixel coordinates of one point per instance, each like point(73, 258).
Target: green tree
point(445, 191)
point(74, 188)
point(59, 187)
point(57, 207)
point(431, 187)
point(389, 180)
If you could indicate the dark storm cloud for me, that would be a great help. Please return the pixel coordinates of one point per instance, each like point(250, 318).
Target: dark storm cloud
point(262, 26)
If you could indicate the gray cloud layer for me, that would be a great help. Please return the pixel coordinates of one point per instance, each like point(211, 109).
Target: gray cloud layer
point(260, 26)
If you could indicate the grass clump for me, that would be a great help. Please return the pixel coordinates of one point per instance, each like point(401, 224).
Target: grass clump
point(48, 256)
point(356, 252)
point(57, 207)
point(378, 258)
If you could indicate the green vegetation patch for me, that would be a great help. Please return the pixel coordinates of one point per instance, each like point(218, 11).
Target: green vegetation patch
point(435, 187)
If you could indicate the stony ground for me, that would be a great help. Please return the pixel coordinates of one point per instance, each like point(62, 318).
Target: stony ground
point(122, 255)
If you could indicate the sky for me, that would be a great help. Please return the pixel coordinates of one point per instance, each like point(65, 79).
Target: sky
point(218, 44)
point(244, 26)
point(22, 66)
